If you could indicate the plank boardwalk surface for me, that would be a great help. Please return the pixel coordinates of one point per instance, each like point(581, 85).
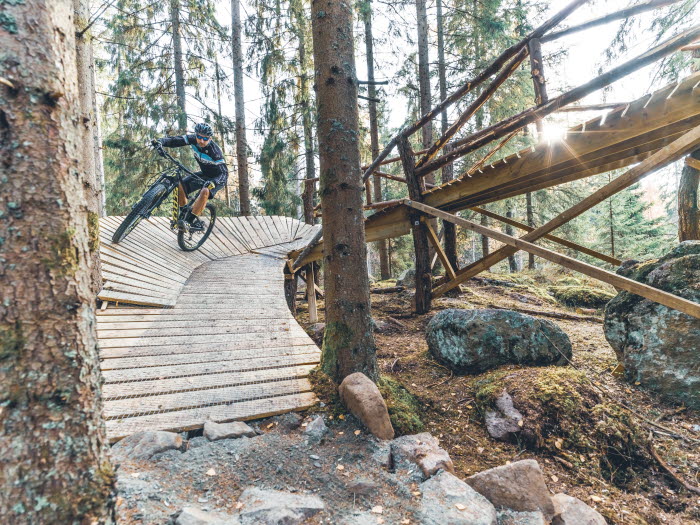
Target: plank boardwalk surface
point(203, 335)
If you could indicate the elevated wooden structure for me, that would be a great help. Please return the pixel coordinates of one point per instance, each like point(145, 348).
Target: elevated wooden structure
point(200, 335)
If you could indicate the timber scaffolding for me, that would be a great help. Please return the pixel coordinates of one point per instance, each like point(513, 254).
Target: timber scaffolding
point(651, 132)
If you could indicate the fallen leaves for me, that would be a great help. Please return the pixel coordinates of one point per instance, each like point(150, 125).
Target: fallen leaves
point(211, 472)
point(377, 509)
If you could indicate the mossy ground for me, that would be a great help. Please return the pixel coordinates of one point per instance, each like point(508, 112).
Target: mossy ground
point(451, 410)
point(583, 296)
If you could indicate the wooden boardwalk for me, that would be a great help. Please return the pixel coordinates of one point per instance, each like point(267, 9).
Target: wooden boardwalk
point(213, 337)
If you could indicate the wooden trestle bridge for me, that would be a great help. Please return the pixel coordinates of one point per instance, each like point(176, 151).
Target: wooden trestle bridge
point(208, 334)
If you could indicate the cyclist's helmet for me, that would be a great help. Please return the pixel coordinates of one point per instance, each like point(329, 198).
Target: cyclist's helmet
point(203, 129)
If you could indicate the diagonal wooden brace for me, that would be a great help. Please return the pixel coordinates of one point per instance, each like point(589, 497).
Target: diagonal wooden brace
point(439, 252)
point(649, 292)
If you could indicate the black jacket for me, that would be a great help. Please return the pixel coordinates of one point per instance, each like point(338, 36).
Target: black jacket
point(210, 158)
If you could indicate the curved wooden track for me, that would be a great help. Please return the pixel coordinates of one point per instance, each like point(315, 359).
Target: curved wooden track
point(211, 337)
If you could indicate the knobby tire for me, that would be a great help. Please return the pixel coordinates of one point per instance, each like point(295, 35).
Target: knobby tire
point(137, 213)
point(181, 240)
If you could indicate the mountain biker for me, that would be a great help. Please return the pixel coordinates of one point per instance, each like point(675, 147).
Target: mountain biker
point(212, 167)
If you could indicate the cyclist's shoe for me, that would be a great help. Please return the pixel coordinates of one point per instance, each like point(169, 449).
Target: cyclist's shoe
point(196, 224)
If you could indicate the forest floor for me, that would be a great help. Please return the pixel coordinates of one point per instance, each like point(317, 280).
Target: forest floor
point(451, 414)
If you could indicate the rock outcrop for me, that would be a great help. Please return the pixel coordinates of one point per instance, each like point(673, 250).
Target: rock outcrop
point(658, 346)
point(144, 445)
point(473, 341)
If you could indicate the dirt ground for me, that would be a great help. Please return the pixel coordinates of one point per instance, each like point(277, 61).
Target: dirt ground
point(452, 416)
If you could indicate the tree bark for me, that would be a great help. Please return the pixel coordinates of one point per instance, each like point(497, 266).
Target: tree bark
point(88, 164)
point(177, 63)
point(307, 124)
point(220, 125)
point(449, 229)
point(531, 223)
point(374, 129)
point(56, 467)
point(688, 198)
point(348, 343)
point(485, 240)
point(512, 261)
point(241, 142)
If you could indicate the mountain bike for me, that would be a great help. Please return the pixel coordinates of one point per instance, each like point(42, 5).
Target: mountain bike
point(191, 232)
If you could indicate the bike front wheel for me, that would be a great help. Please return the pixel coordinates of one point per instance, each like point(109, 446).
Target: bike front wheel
point(192, 238)
point(138, 212)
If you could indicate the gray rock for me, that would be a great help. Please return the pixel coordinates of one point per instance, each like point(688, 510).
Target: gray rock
point(362, 486)
point(273, 507)
point(216, 431)
point(407, 278)
point(316, 331)
point(195, 516)
point(196, 442)
point(473, 341)
point(506, 421)
point(447, 499)
point(382, 455)
point(658, 346)
point(519, 486)
point(316, 430)
point(143, 445)
point(288, 422)
point(359, 518)
point(382, 327)
point(422, 451)
point(512, 517)
point(572, 511)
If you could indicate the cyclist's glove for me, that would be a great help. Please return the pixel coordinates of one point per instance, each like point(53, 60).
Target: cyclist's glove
point(157, 145)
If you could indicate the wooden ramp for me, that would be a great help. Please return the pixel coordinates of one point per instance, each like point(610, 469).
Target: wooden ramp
point(215, 339)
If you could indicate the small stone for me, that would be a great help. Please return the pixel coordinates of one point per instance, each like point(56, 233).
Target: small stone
point(272, 507)
point(316, 430)
point(448, 499)
point(512, 517)
point(194, 516)
point(518, 486)
point(505, 422)
point(144, 445)
point(362, 397)
point(216, 431)
point(572, 511)
point(422, 450)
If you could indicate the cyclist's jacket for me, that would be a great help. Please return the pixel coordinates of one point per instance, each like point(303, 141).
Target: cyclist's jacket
point(210, 158)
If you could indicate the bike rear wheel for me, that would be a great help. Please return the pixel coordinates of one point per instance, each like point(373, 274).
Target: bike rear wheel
point(190, 240)
point(138, 212)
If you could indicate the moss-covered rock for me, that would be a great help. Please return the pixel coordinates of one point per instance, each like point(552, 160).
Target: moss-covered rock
point(584, 296)
point(569, 281)
point(473, 341)
point(404, 407)
point(565, 414)
point(658, 346)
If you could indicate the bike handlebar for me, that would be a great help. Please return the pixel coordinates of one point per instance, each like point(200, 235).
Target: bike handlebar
point(159, 149)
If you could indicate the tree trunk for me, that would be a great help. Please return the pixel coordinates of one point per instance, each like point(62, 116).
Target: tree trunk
point(689, 203)
point(348, 343)
point(512, 261)
point(177, 62)
point(56, 467)
point(220, 125)
point(241, 143)
point(307, 123)
point(88, 164)
point(424, 78)
point(485, 240)
point(374, 130)
point(688, 199)
point(540, 85)
point(449, 229)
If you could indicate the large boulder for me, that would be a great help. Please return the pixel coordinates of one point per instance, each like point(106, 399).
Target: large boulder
point(362, 398)
point(473, 341)
point(659, 347)
point(407, 279)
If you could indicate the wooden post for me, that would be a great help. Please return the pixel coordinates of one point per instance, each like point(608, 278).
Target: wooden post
point(311, 293)
point(649, 292)
point(420, 230)
point(664, 156)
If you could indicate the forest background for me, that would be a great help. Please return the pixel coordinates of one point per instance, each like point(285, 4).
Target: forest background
point(136, 58)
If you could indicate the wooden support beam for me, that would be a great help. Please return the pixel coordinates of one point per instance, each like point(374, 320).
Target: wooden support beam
point(507, 71)
point(423, 296)
point(617, 15)
point(592, 107)
point(572, 245)
point(653, 294)
point(666, 155)
point(490, 154)
point(482, 137)
point(693, 163)
point(435, 241)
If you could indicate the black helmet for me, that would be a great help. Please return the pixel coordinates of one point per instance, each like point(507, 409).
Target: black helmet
point(203, 129)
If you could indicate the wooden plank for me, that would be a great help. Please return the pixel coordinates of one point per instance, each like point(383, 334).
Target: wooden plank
point(194, 418)
point(210, 367)
point(693, 163)
point(282, 229)
point(239, 223)
point(105, 333)
point(269, 224)
point(648, 292)
point(148, 388)
point(121, 297)
point(249, 339)
point(131, 322)
point(148, 356)
point(435, 241)
point(263, 233)
point(227, 231)
point(124, 261)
